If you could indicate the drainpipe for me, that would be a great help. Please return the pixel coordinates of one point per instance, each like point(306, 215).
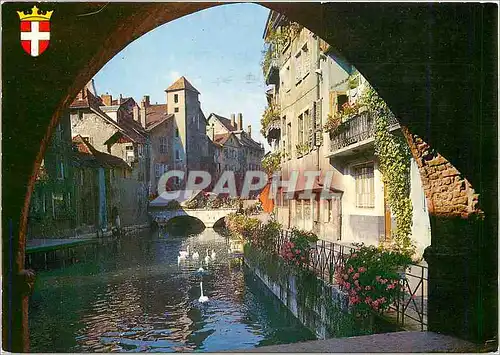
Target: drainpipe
point(318, 93)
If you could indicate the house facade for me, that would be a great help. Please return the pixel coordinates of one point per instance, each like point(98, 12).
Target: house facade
point(307, 85)
point(52, 205)
point(235, 149)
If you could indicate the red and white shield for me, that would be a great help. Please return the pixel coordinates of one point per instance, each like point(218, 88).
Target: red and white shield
point(35, 36)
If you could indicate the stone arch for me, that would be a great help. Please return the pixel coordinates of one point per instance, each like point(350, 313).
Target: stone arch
point(434, 83)
point(186, 223)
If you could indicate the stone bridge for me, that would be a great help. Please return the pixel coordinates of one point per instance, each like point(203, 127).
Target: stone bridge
point(208, 216)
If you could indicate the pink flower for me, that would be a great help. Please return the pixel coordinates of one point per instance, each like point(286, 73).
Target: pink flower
point(345, 276)
point(350, 270)
point(368, 300)
point(390, 286)
point(356, 282)
point(382, 300)
point(361, 269)
point(297, 251)
point(354, 255)
point(292, 245)
point(368, 288)
point(356, 276)
point(377, 277)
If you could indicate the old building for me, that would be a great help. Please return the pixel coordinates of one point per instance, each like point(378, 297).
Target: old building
point(160, 127)
point(98, 183)
point(111, 129)
point(52, 205)
point(235, 149)
point(190, 144)
point(307, 86)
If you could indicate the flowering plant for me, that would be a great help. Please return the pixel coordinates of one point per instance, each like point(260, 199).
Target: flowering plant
point(370, 276)
point(296, 250)
point(242, 225)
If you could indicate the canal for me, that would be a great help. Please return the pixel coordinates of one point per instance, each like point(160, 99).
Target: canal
point(136, 296)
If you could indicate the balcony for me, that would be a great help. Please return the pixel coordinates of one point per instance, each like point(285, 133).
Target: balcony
point(270, 67)
point(356, 134)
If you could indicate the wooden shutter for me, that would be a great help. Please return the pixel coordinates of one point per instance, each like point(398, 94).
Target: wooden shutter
point(311, 129)
point(318, 126)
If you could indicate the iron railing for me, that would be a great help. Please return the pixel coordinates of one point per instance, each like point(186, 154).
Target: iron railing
point(357, 129)
point(410, 309)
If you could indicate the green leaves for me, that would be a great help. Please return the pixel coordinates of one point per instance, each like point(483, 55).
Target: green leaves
point(394, 156)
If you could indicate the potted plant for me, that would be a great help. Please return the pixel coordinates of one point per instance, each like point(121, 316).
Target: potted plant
point(371, 277)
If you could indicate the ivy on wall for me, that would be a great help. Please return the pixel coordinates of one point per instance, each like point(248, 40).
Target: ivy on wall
point(394, 157)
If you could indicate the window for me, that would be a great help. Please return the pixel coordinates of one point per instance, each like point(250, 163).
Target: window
point(298, 68)
point(176, 98)
point(59, 133)
point(163, 145)
point(60, 168)
point(306, 61)
point(307, 125)
point(58, 207)
point(176, 109)
point(364, 178)
point(158, 170)
point(300, 130)
point(177, 133)
point(177, 155)
point(80, 115)
point(289, 139)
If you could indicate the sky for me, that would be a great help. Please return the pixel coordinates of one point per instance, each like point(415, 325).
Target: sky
point(218, 50)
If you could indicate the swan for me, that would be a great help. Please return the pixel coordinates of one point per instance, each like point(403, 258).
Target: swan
point(201, 269)
point(184, 253)
point(207, 258)
point(202, 298)
point(196, 255)
point(213, 255)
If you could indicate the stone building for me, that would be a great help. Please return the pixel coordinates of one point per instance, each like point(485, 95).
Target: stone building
point(190, 143)
point(98, 182)
point(235, 149)
point(52, 205)
point(111, 129)
point(307, 84)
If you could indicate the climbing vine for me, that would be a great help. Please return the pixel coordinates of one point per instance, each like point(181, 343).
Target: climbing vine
point(394, 156)
point(272, 162)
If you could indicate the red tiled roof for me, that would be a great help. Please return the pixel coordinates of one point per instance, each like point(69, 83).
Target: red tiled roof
point(88, 155)
point(182, 84)
point(155, 113)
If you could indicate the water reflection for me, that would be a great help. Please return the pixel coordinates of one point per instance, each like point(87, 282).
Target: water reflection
point(137, 297)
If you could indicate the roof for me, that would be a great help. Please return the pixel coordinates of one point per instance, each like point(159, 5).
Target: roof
point(128, 127)
point(86, 154)
point(124, 100)
point(222, 138)
point(248, 141)
point(155, 114)
point(182, 84)
point(224, 121)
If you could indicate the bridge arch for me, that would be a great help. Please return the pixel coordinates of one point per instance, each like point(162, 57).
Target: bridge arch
point(433, 78)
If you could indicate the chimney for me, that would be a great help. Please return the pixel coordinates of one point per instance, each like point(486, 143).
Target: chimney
point(233, 121)
point(135, 111)
point(145, 101)
point(106, 99)
point(240, 122)
point(120, 100)
point(249, 130)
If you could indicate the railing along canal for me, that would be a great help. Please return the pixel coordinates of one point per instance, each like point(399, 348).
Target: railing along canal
point(410, 308)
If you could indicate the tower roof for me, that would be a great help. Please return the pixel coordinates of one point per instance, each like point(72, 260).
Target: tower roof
point(182, 84)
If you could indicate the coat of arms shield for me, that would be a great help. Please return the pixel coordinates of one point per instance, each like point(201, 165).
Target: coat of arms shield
point(35, 30)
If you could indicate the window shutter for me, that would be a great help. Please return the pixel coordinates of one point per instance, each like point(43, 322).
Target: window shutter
point(311, 120)
point(318, 127)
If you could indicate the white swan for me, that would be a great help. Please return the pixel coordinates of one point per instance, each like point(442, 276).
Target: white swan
point(207, 258)
point(202, 298)
point(213, 255)
point(184, 253)
point(201, 269)
point(195, 255)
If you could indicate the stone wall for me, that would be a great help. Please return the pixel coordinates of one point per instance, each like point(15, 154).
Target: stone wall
point(320, 307)
point(447, 192)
